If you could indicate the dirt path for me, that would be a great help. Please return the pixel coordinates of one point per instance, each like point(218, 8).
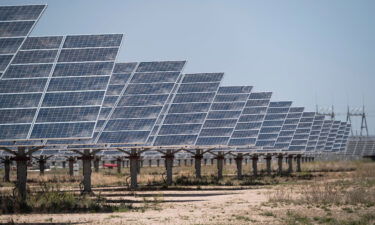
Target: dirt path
point(167, 207)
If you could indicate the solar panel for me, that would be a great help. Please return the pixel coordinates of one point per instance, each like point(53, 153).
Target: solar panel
point(301, 135)
point(315, 133)
point(223, 115)
point(324, 135)
point(339, 137)
point(16, 23)
point(345, 138)
point(332, 136)
point(250, 121)
point(188, 109)
point(55, 96)
point(136, 112)
point(273, 122)
point(288, 129)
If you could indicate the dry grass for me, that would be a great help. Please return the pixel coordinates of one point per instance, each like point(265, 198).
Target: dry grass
point(356, 187)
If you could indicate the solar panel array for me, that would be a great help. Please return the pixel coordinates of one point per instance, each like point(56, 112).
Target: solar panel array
point(301, 135)
point(54, 87)
point(16, 23)
point(223, 115)
point(272, 124)
point(339, 137)
point(364, 146)
point(68, 90)
point(332, 135)
point(315, 133)
point(289, 128)
point(250, 122)
point(188, 110)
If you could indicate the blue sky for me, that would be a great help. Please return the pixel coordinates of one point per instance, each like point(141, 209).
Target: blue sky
point(311, 52)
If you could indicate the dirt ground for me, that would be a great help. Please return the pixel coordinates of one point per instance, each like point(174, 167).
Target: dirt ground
point(220, 205)
point(216, 205)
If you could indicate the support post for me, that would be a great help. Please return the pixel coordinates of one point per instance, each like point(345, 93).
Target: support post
point(179, 162)
point(86, 164)
point(185, 162)
point(21, 159)
point(7, 161)
point(290, 163)
point(150, 162)
point(255, 159)
point(220, 165)
point(71, 161)
point(169, 156)
point(198, 163)
point(96, 164)
point(280, 164)
point(212, 161)
point(119, 162)
point(63, 164)
point(42, 164)
point(205, 161)
point(133, 158)
point(158, 162)
point(298, 160)
point(239, 159)
point(191, 161)
point(268, 163)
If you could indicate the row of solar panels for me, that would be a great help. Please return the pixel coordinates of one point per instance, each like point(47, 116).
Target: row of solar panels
point(67, 91)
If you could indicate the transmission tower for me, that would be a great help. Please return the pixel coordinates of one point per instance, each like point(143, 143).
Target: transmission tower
point(358, 112)
point(330, 112)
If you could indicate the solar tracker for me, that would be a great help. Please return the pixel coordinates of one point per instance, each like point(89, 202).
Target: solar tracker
point(16, 23)
point(273, 122)
point(332, 136)
point(135, 112)
point(223, 115)
point(339, 137)
point(301, 135)
point(315, 133)
point(288, 129)
point(188, 109)
point(250, 122)
point(345, 138)
point(324, 135)
point(54, 87)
